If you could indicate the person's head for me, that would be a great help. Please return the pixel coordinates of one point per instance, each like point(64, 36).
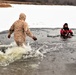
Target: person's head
point(22, 16)
point(65, 26)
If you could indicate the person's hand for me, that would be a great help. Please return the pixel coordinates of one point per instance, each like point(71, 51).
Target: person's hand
point(34, 38)
point(72, 35)
point(66, 34)
point(9, 36)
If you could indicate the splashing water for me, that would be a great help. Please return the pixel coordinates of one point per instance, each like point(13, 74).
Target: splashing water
point(14, 53)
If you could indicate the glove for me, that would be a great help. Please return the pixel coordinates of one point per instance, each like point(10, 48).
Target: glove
point(9, 36)
point(71, 34)
point(34, 38)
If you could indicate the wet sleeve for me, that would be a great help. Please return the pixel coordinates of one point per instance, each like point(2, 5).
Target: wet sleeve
point(71, 32)
point(11, 30)
point(61, 31)
point(27, 30)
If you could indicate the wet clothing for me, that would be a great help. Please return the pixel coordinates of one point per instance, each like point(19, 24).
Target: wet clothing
point(66, 32)
point(20, 29)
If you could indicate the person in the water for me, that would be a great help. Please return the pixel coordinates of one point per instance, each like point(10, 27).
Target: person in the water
point(20, 29)
point(65, 32)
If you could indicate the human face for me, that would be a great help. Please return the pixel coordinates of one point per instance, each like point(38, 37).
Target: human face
point(66, 26)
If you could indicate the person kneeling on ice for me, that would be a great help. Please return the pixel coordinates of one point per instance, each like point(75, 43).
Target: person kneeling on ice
point(65, 32)
point(20, 29)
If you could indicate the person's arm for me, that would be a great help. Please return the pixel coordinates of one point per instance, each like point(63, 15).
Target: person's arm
point(28, 32)
point(71, 32)
point(11, 30)
point(61, 32)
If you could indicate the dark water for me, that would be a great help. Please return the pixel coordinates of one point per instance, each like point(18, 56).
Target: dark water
point(59, 55)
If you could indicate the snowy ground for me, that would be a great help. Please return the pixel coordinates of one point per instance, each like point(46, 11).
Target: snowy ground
point(39, 16)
